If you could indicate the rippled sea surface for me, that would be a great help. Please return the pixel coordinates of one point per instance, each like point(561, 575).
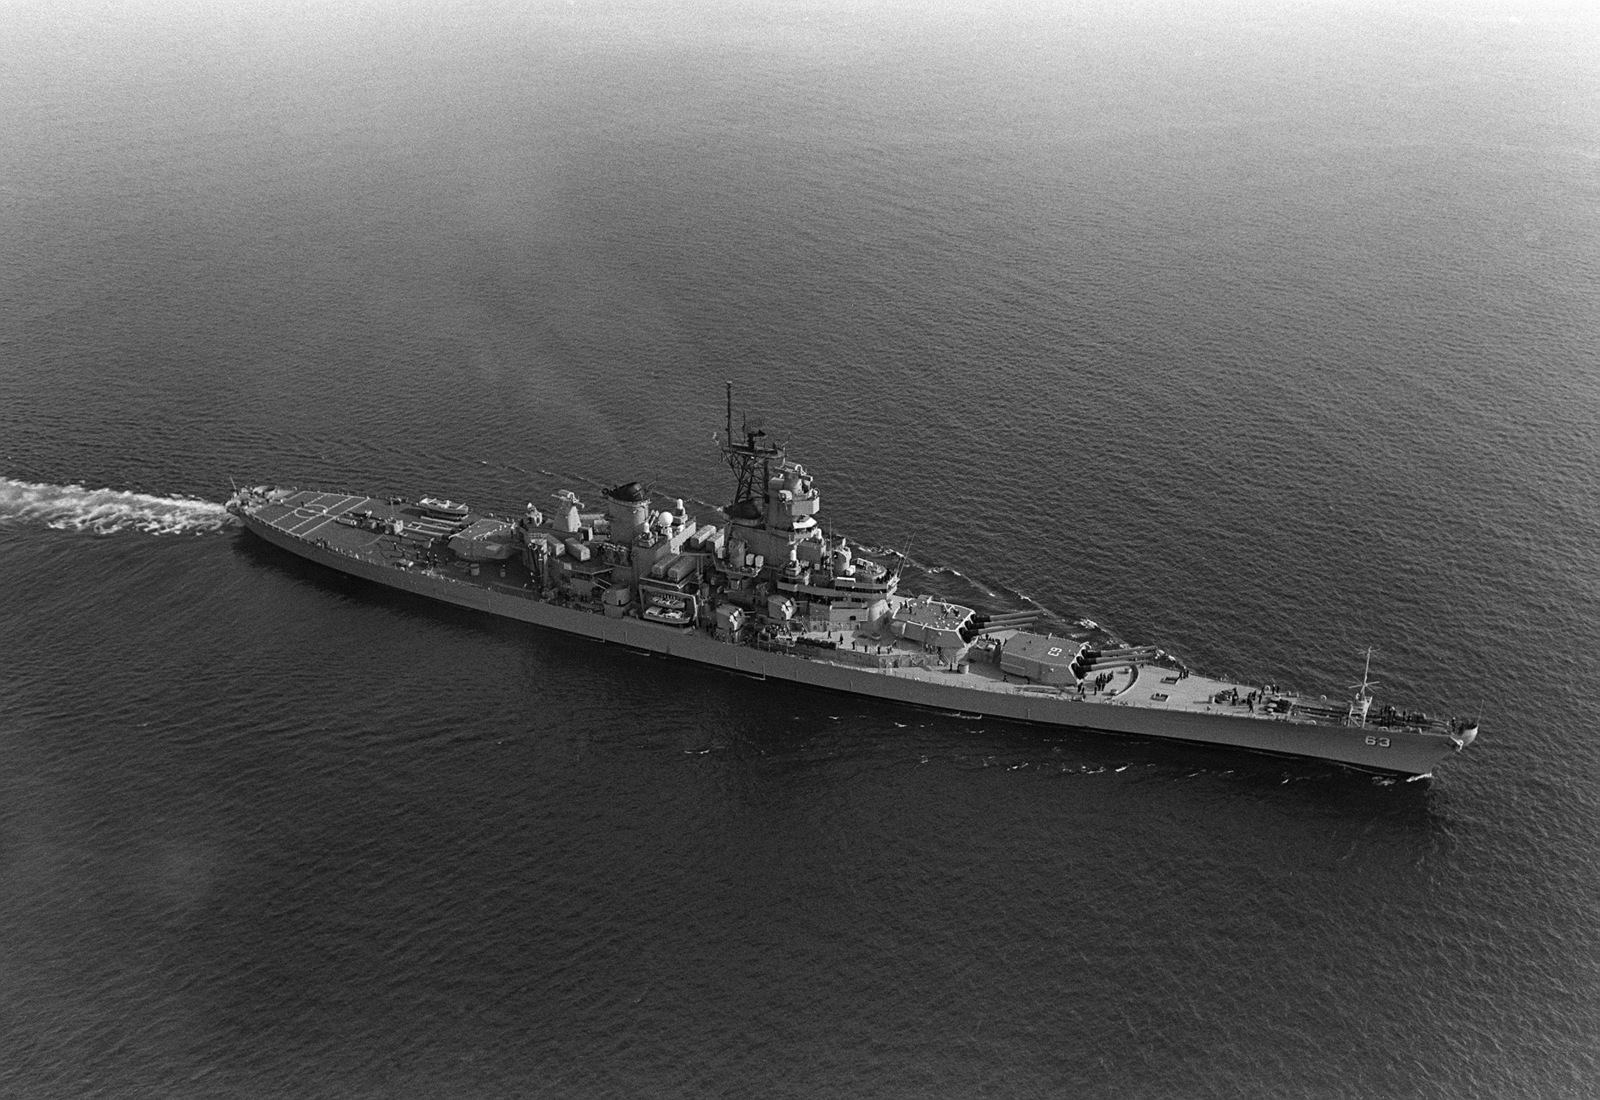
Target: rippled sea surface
point(1263, 332)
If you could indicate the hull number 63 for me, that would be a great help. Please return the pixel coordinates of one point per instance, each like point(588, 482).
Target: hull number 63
point(1381, 742)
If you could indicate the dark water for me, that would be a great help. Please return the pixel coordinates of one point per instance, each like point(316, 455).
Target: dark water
point(1264, 332)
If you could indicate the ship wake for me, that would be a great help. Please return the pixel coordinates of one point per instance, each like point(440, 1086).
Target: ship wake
point(108, 511)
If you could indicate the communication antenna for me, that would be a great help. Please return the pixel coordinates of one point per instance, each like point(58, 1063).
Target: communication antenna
point(1367, 682)
point(904, 556)
point(1363, 699)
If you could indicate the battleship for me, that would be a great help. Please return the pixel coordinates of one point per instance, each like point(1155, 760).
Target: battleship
point(767, 591)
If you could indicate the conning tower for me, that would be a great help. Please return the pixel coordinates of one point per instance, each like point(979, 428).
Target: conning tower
point(777, 549)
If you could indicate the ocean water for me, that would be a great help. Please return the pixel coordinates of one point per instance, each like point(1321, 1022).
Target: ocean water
point(1261, 331)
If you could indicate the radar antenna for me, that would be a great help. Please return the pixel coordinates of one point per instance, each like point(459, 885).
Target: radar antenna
point(749, 461)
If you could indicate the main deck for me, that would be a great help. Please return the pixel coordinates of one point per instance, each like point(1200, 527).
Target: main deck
point(396, 543)
point(322, 519)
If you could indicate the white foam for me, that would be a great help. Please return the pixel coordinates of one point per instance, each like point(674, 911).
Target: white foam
point(108, 511)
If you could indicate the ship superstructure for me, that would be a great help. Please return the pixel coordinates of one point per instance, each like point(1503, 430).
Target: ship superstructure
point(765, 590)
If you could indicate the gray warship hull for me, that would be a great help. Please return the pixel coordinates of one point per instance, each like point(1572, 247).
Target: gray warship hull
point(1149, 700)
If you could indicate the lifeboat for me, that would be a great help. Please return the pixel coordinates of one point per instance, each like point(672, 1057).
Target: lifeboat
point(444, 509)
point(667, 616)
